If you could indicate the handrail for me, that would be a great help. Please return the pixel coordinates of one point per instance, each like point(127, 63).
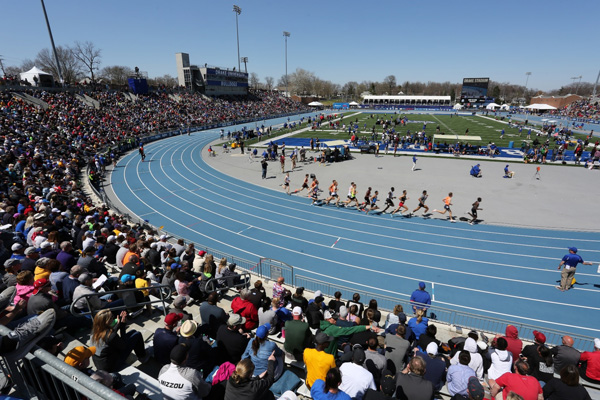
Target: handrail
point(58, 369)
point(161, 290)
point(244, 282)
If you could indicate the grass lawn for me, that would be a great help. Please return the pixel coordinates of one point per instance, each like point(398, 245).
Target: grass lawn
point(488, 129)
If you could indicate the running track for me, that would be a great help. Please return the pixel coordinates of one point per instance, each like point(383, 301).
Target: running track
point(502, 272)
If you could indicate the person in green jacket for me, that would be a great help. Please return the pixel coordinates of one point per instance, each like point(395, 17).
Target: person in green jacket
point(329, 327)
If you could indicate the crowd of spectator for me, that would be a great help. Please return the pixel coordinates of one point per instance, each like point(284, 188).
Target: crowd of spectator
point(586, 108)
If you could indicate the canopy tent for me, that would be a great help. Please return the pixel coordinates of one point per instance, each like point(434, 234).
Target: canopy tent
point(458, 106)
point(315, 104)
point(353, 104)
point(492, 106)
point(505, 107)
point(37, 77)
point(540, 106)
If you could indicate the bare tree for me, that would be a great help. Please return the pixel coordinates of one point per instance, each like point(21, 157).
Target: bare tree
point(71, 67)
point(116, 74)
point(390, 83)
point(254, 81)
point(302, 81)
point(166, 80)
point(269, 81)
point(88, 55)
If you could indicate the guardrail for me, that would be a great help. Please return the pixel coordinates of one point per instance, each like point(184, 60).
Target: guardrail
point(164, 292)
point(43, 376)
point(238, 281)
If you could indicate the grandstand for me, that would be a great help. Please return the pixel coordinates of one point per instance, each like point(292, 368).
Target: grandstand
point(402, 101)
point(41, 187)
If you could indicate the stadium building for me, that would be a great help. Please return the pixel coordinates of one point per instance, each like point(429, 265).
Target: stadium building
point(403, 101)
point(210, 80)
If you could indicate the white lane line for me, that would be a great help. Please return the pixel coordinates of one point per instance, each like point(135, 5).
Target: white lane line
point(361, 254)
point(245, 229)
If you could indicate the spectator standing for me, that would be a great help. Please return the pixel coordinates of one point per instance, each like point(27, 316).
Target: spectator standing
point(420, 299)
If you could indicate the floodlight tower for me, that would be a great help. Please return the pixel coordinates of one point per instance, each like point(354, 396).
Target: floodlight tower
point(574, 79)
point(58, 69)
point(286, 35)
point(526, 82)
point(237, 10)
point(245, 61)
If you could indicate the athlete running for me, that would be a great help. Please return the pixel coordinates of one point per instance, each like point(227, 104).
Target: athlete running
point(352, 196)
point(447, 204)
point(373, 203)
point(286, 183)
point(401, 200)
point(333, 193)
point(304, 184)
point(474, 209)
point(389, 200)
point(367, 198)
point(314, 192)
point(422, 201)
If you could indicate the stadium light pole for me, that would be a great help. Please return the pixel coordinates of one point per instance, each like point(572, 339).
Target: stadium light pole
point(286, 35)
point(526, 82)
point(596, 85)
point(245, 60)
point(574, 79)
point(237, 10)
point(60, 76)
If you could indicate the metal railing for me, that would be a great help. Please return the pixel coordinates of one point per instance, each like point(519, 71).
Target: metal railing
point(237, 281)
point(164, 292)
point(41, 375)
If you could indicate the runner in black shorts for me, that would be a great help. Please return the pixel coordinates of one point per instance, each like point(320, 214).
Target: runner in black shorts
point(372, 203)
point(389, 200)
point(304, 185)
point(352, 195)
point(474, 209)
point(422, 201)
point(333, 195)
point(401, 200)
point(367, 199)
point(286, 183)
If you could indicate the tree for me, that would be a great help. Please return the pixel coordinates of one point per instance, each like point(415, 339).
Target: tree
point(254, 81)
point(88, 55)
point(70, 65)
point(390, 83)
point(166, 81)
point(116, 74)
point(269, 81)
point(496, 92)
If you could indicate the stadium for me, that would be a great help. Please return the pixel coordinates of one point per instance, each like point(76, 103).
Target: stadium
point(208, 237)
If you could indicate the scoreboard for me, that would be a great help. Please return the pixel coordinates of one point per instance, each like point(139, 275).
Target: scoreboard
point(474, 90)
point(219, 81)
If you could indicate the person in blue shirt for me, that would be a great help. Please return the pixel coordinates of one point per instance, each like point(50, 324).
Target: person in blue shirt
point(476, 171)
point(414, 160)
point(570, 262)
point(420, 296)
point(329, 389)
point(508, 173)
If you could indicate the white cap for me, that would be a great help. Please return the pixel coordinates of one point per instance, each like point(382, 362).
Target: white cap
point(432, 348)
point(45, 244)
point(16, 246)
point(163, 237)
point(481, 344)
point(153, 245)
point(111, 238)
point(597, 343)
point(55, 210)
point(289, 395)
point(297, 311)
point(318, 293)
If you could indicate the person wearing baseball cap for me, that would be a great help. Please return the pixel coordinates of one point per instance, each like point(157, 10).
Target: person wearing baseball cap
point(298, 335)
point(166, 338)
point(569, 261)
point(420, 298)
point(79, 357)
point(260, 348)
point(317, 360)
point(17, 251)
point(231, 339)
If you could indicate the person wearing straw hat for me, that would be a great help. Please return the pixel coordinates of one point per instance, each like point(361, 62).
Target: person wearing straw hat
point(202, 356)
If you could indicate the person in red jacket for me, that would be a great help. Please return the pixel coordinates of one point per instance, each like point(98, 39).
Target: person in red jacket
point(591, 371)
point(243, 306)
point(515, 345)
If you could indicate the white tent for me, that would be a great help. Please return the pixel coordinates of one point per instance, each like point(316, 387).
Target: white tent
point(505, 107)
point(492, 106)
point(353, 104)
point(458, 106)
point(315, 104)
point(36, 74)
point(540, 107)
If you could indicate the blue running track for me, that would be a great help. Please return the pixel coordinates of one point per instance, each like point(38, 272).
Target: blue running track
point(502, 272)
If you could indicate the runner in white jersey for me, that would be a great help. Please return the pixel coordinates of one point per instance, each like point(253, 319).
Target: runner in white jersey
point(422, 201)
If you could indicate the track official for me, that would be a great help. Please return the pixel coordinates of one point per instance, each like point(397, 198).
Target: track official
point(569, 262)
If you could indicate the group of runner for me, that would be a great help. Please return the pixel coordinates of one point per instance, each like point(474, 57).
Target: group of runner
point(372, 197)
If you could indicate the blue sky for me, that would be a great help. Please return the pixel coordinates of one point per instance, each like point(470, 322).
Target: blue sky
point(337, 41)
